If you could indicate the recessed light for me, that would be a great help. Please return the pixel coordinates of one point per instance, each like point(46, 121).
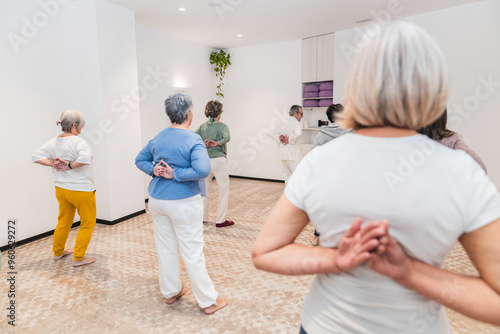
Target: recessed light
point(182, 9)
point(239, 35)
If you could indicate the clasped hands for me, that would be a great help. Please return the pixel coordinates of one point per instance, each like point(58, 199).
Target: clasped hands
point(59, 164)
point(284, 139)
point(211, 143)
point(374, 245)
point(162, 169)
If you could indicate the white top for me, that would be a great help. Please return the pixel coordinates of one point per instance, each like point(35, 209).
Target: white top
point(429, 193)
point(293, 129)
point(72, 148)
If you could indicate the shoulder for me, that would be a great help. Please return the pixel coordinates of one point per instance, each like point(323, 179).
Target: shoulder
point(163, 133)
point(192, 138)
point(51, 141)
point(452, 141)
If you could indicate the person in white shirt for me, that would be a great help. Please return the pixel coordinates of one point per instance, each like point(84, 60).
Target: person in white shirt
point(419, 197)
point(288, 136)
point(70, 158)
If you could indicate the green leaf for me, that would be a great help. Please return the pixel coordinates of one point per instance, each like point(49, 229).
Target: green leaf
point(221, 60)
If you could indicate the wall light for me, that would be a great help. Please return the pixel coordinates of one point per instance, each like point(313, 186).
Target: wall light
point(182, 9)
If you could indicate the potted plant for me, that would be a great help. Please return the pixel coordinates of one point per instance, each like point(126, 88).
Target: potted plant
point(220, 60)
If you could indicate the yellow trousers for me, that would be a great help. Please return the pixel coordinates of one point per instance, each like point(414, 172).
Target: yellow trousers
point(69, 202)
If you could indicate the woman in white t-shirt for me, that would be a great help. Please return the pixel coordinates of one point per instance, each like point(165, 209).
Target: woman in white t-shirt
point(70, 158)
point(419, 196)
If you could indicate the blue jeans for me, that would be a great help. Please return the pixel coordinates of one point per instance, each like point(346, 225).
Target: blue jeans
point(302, 331)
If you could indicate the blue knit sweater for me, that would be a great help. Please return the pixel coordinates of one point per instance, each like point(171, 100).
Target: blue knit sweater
point(186, 153)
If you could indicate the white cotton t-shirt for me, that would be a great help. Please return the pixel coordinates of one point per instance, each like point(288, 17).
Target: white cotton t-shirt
point(72, 148)
point(429, 193)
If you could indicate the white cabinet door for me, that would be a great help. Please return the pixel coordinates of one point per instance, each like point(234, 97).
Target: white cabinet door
point(325, 58)
point(309, 59)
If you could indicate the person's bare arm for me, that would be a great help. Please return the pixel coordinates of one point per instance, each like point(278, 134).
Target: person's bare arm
point(475, 297)
point(46, 162)
point(275, 251)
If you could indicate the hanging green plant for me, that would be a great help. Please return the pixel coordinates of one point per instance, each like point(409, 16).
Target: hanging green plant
point(220, 60)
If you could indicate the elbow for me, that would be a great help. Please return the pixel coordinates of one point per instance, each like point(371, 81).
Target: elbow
point(204, 172)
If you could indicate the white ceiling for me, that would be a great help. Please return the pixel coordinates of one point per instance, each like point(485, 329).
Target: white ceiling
point(267, 21)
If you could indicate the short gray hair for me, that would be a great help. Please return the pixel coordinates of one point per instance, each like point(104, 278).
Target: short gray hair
point(70, 117)
point(293, 109)
point(399, 78)
point(177, 107)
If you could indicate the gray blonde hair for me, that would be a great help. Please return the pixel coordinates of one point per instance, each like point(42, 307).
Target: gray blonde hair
point(293, 109)
point(177, 107)
point(70, 117)
point(398, 78)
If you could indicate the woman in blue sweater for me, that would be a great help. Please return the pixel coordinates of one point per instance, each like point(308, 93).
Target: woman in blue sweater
point(177, 160)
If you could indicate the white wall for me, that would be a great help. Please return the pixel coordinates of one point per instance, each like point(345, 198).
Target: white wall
point(36, 87)
point(469, 36)
point(65, 60)
point(175, 64)
point(262, 83)
point(120, 182)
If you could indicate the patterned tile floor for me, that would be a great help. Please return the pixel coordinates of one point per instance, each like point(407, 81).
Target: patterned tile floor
point(120, 293)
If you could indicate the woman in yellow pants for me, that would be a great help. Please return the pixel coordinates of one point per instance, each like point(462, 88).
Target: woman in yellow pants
point(70, 158)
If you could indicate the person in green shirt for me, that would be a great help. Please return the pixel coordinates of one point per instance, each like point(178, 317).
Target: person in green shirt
point(215, 134)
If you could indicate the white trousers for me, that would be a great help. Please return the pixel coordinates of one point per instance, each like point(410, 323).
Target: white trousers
point(219, 170)
point(178, 226)
point(288, 168)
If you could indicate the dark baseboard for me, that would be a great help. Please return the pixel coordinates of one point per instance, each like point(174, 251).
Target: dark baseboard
point(256, 178)
point(34, 238)
point(119, 220)
point(49, 233)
